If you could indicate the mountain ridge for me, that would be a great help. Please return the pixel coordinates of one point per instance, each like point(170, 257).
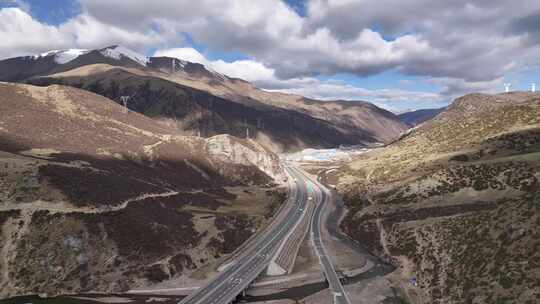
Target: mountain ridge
point(341, 122)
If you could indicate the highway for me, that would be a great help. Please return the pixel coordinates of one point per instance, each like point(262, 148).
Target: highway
point(254, 259)
point(322, 197)
point(244, 270)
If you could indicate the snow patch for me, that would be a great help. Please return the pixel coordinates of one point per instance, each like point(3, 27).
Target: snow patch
point(117, 52)
point(179, 63)
point(48, 53)
point(62, 56)
point(68, 55)
point(218, 75)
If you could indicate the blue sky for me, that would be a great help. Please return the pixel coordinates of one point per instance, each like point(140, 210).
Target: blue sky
point(50, 12)
point(321, 49)
point(298, 6)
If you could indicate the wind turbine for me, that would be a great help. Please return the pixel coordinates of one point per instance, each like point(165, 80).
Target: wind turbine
point(533, 87)
point(507, 87)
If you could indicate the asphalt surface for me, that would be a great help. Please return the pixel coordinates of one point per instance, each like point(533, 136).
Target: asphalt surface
point(322, 197)
point(229, 283)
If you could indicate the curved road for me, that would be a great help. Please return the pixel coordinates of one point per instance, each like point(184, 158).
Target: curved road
point(254, 259)
point(235, 278)
point(322, 196)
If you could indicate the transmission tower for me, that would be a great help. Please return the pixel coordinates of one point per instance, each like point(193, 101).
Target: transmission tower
point(247, 128)
point(125, 100)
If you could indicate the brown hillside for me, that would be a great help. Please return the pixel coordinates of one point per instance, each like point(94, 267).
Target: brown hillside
point(202, 102)
point(455, 202)
point(93, 198)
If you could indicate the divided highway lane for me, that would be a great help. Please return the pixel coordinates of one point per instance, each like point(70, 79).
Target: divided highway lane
point(256, 257)
point(322, 198)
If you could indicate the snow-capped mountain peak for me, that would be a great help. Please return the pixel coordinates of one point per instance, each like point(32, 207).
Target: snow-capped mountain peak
point(68, 55)
point(127, 56)
point(62, 56)
point(118, 51)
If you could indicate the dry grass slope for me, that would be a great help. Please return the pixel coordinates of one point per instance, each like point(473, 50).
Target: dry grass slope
point(195, 100)
point(94, 199)
point(456, 202)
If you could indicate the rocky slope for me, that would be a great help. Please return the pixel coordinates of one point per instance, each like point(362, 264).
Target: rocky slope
point(381, 125)
point(455, 202)
point(196, 112)
point(93, 198)
point(204, 102)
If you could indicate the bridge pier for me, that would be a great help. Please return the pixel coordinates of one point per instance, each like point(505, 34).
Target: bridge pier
point(239, 297)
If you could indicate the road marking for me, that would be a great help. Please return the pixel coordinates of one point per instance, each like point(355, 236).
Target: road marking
point(266, 248)
point(328, 268)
